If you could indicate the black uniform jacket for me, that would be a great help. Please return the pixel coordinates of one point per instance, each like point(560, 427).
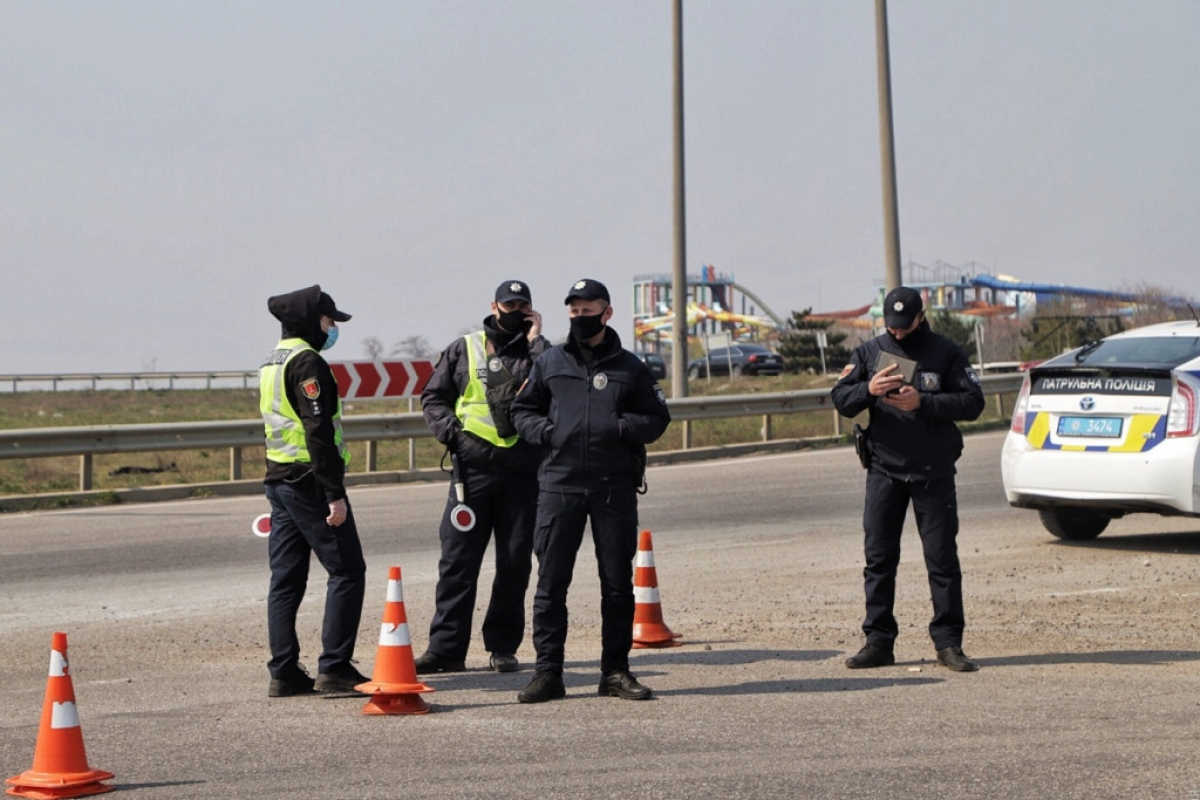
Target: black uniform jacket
point(919, 444)
point(326, 472)
point(595, 418)
point(448, 382)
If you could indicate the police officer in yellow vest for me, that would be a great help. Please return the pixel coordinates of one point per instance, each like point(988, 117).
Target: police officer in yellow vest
point(466, 404)
point(306, 465)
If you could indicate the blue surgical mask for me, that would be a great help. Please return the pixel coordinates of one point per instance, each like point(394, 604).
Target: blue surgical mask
point(331, 337)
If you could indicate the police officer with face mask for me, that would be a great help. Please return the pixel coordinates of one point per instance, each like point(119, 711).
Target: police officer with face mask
point(466, 404)
point(595, 406)
point(914, 444)
point(306, 466)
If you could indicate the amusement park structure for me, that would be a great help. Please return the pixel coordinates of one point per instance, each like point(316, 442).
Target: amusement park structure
point(717, 303)
point(712, 306)
point(970, 291)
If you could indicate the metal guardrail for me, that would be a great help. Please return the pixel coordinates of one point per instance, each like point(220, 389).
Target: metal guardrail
point(150, 380)
point(87, 442)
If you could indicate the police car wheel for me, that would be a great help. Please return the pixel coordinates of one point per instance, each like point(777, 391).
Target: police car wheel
point(1074, 524)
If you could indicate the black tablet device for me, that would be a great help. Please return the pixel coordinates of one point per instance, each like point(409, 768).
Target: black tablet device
point(908, 367)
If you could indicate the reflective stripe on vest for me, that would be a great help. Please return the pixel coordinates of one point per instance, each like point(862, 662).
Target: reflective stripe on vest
point(285, 439)
point(472, 407)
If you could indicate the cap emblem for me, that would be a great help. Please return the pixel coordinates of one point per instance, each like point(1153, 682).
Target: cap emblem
point(898, 306)
point(579, 285)
point(515, 287)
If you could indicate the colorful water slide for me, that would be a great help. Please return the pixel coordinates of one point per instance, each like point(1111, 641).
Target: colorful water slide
point(779, 323)
point(1053, 290)
point(648, 327)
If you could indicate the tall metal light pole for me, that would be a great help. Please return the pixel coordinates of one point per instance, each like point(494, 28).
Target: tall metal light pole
point(679, 274)
point(887, 151)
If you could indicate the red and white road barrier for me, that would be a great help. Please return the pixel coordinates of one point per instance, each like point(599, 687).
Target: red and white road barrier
point(366, 380)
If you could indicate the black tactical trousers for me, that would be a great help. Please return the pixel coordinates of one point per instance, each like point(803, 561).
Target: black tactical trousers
point(298, 532)
point(935, 507)
point(561, 519)
point(505, 505)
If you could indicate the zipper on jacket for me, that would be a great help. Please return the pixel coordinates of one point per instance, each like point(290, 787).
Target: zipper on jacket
point(587, 416)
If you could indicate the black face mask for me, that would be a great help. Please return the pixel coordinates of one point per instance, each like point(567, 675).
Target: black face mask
point(584, 328)
point(514, 322)
point(911, 340)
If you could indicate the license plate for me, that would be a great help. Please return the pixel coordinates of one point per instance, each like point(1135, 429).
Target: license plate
point(1096, 427)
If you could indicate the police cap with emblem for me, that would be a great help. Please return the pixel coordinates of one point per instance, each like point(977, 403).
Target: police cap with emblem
point(901, 306)
point(588, 289)
point(508, 291)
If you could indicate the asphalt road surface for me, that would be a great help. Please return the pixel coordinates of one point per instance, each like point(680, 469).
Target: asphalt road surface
point(1089, 684)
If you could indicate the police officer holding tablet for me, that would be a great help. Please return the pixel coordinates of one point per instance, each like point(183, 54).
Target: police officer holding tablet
point(914, 444)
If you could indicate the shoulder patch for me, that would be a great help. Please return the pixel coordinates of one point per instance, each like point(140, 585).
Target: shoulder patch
point(973, 376)
point(311, 388)
point(658, 394)
point(847, 371)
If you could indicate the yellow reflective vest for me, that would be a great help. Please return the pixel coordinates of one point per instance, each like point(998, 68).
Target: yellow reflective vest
point(285, 439)
point(472, 406)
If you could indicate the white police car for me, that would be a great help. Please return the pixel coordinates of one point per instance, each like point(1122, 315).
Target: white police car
point(1109, 429)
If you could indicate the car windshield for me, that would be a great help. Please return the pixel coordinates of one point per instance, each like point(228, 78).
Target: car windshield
point(1166, 350)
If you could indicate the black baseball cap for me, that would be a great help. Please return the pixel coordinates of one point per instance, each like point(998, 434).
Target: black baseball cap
point(901, 306)
point(328, 308)
point(588, 289)
point(508, 291)
point(304, 305)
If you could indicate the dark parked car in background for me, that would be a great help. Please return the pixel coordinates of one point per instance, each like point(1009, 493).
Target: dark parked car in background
point(658, 367)
point(740, 359)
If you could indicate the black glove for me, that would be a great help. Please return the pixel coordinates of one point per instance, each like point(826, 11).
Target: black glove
point(451, 442)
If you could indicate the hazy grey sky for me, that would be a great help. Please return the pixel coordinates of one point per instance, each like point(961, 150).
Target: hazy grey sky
point(166, 166)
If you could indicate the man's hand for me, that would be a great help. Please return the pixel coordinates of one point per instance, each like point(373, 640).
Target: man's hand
point(886, 381)
point(535, 328)
point(906, 398)
point(337, 512)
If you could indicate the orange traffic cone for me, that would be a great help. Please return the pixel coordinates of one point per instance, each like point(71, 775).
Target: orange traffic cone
point(394, 686)
point(648, 627)
point(60, 767)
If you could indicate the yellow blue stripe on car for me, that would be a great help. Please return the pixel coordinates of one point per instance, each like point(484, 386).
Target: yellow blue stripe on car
point(1146, 431)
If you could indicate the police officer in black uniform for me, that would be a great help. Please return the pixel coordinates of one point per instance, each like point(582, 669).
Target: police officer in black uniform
point(595, 406)
point(306, 466)
point(466, 404)
point(914, 444)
